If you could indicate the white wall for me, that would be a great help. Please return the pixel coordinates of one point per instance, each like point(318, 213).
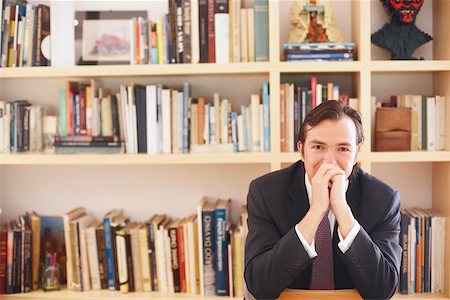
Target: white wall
point(140, 190)
point(412, 180)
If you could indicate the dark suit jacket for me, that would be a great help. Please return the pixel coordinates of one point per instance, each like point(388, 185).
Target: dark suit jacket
point(275, 258)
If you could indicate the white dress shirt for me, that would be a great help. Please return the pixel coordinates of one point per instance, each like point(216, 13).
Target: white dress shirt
point(344, 244)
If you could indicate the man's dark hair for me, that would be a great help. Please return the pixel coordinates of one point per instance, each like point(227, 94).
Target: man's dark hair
point(330, 110)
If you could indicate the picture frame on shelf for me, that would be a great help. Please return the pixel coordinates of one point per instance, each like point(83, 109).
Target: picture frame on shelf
point(104, 37)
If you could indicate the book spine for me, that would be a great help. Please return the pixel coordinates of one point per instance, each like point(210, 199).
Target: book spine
point(208, 252)
point(203, 29)
point(221, 260)
point(187, 55)
point(152, 257)
point(27, 264)
point(211, 31)
point(101, 252)
point(175, 260)
point(109, 251)
point(3, 259)
point(261, 30)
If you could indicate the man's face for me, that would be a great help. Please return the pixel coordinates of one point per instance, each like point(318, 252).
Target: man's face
point(331, 142)
point(405, 10)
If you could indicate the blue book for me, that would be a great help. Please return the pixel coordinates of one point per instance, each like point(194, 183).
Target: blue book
point(221, 215)
point(62, 113)
point(266, 116)
point(261, 30)
point(109, 248)
point(319, 55)
point(234, 134)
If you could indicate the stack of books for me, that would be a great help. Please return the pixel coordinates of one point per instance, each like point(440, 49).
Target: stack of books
point(319, 51)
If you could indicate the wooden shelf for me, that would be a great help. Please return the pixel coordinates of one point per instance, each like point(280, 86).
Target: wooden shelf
point(410, 156)
point(319, 66)
point(134, 159)
point(104, 294)
point(420, 296)
point(136, 70)
point(407, 66)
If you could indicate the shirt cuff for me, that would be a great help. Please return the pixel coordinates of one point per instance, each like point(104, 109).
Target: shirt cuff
point(310, 249)
point(345, 244)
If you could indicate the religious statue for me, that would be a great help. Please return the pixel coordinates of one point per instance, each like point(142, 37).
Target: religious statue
point(313, 22)
point(401, 36)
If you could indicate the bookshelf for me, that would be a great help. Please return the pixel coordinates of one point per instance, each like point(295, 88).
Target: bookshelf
point(144, 184)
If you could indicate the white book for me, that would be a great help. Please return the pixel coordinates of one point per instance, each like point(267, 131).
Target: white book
point(215, 119)
point(353, 103)
point(152, 124)
point(67, 218)
point(168, 260)
point(236, 30)
point(6, 131)
point(440, 122)
point(251, 34)
point(2, 124)
point(122, 270)
point(166, 102)
point(255, 122)
point(175, 119)
point(132, 123)
point(83, 222)
point(431, 124)
point(62, 14)
point(417, 105)
point(290, 118)
point(92, 251)
point(195, 34)
point(240, 133)
point(192, 251)
point(244, 36)
point(180, 121)
point(186, 257)
point(160, 260)
point(318, 94)
point(224, 121)
point(135, 256)
point(434, 252)
point(144, 257)
point(222, 37)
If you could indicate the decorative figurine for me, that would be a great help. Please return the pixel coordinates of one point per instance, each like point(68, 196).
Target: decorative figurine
point(401, 37)
point(313, 22)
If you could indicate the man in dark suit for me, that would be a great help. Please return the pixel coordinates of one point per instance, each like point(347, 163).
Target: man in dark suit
point(288, 208)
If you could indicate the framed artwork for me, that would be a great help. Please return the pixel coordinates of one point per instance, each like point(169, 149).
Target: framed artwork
point(104, 37)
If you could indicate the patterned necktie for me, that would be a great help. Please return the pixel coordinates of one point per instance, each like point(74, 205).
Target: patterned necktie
point(322, 276)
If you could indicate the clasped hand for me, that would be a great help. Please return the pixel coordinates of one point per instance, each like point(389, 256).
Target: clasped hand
point(329, 186)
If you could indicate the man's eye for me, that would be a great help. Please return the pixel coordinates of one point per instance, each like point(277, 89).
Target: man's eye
point(317, 147)
point(343, 149)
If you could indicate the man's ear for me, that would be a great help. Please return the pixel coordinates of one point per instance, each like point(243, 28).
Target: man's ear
point(358, 149)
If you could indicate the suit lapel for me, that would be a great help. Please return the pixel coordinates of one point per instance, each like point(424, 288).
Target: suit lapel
point(298, 203)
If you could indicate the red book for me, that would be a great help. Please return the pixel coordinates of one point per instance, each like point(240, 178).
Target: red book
point(313, 92)
point(3, 256)
point(181, 253)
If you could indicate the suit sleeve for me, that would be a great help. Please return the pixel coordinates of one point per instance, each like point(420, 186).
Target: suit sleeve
point(272, 261)
point(373, 259)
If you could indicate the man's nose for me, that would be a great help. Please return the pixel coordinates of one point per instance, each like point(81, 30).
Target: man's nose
point(329, 157)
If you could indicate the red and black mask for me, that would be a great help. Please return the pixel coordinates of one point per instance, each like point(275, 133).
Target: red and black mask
point(404, 10)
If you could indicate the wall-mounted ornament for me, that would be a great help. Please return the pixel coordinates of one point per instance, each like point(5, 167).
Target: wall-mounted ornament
point(401, 36)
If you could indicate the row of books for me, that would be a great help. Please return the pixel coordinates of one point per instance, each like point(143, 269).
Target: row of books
point(24, 34)
point(21, 126)
point(200, 254)
point(319, 51)
point(297, 100)
point(193, 31)
point(428, 115)
point(155, 119)
point(422, 238)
